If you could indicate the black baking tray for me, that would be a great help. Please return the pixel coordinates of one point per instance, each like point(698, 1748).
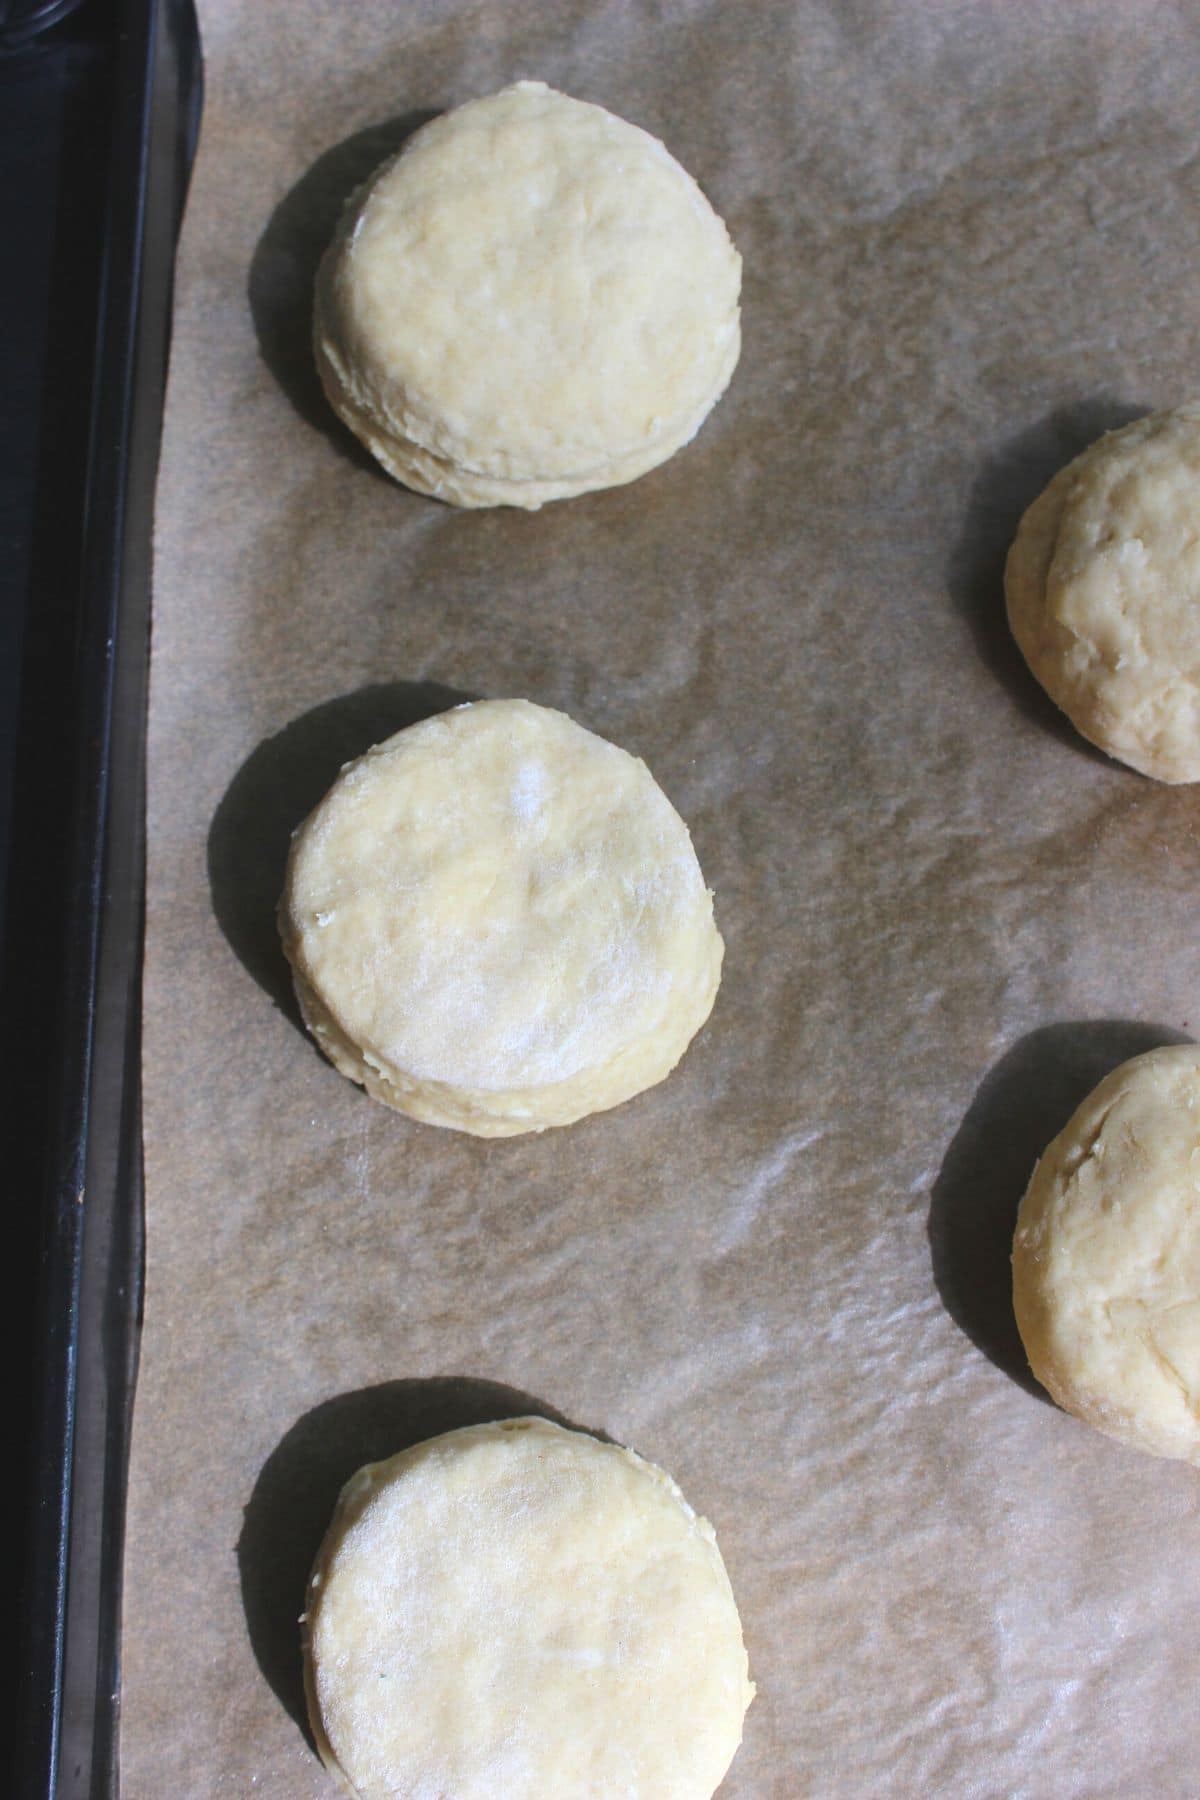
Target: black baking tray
point(99, 112)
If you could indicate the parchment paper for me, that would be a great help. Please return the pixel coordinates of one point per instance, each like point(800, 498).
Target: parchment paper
point(970, 236)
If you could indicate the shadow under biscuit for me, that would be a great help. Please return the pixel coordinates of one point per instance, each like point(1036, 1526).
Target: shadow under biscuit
point(293, 1499)
point(1006, 486)
point(284, 266)
point(276, 787)
point(1023, 1102)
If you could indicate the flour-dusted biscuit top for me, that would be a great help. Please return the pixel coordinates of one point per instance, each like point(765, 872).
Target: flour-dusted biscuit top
point(1103, 587)
point(1106, 1258)
point(532, 300)
point(515, 1611)
point(496, 921)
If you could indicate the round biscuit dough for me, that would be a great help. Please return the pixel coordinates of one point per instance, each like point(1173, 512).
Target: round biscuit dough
point(496, 921)
point(532, 300)
point(521, 1610)
point(1103, 592)
point(1106, 1257)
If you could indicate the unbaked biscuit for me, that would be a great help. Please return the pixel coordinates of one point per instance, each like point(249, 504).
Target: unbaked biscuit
point(520, 1610)
point(496, 921)
point(1106, 1258)
point(1103, 590)
point(532, 300)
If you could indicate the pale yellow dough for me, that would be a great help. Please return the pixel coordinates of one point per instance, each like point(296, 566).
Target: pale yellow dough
point(496, 921)
point(532, 300)
point(1106, 1259)
point(517, 1611)
point(1103, 588)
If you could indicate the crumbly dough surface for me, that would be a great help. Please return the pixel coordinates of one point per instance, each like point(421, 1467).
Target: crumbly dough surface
point(520, 1610)
point(532, 300)
point(496, 921)
point(1106, 1259)
point(1103, 589)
